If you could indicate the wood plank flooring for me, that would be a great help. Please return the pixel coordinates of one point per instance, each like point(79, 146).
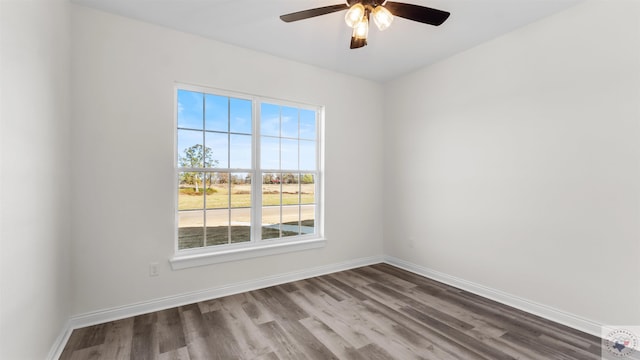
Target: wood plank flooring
point(373, 312)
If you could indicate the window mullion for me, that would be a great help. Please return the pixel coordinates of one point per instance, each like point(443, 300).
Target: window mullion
point(230, 207)
point(299, 181)
point(256, 183)
point(204, 165)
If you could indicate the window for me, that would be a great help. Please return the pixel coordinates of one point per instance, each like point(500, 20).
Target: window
point(247, 171)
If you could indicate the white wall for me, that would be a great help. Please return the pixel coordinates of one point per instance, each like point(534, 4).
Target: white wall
point(519, 163)
point(122, 154)
point(519, 160)
point(34, 183)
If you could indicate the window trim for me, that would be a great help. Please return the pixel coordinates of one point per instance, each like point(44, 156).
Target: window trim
point(187, 258)
point(184, 261)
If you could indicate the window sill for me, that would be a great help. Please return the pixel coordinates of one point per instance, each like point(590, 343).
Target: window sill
point(184, 261)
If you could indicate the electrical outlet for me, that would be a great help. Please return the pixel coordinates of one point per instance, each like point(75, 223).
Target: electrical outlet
point(153, 269)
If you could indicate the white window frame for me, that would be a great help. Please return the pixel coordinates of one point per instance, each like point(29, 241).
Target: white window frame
point(256, 247)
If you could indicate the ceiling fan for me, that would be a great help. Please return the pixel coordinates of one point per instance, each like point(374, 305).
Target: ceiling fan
point(382, 11)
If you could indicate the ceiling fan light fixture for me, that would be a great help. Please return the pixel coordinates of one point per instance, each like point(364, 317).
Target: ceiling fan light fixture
point(382, 17)
point(359, 12)
point(361, 28)
point(354, 15)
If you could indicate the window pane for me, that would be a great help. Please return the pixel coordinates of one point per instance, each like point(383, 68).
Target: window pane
point(270, 153)
point(190, 105)
point(290, 189)
point(190, 148)
point(269, 119)
point(240, 116)
point(190, 192)
point(307, 124)
point(216, 115)
point(190, 229)
point(307, 217)
point(217, 227)
point(240, 190)
point(240, 152)
point(217, 194)
point(290, 221)
point(289, 122)
point(307, 189)
point(270, 222)
point(219, 145)
point(307, 155)
point(289, 154)
point(271, 189)
point(240, 225)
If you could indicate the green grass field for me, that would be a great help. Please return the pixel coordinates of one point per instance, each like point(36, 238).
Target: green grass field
point(241, 197)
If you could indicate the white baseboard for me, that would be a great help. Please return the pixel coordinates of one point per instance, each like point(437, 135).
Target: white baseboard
point(547, 312)
point(61, 341)
point(121, 312)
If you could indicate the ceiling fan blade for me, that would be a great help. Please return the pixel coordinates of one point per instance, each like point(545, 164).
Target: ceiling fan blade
point(357, 43)
point(417, 13)
point(305, 14)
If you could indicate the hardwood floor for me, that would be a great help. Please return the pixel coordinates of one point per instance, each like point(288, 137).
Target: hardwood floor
point(373, 312)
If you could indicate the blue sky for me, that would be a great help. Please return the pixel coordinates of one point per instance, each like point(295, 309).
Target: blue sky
point(217, 115)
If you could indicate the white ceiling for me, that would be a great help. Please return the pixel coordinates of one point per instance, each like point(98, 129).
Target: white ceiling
point(324, 41)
